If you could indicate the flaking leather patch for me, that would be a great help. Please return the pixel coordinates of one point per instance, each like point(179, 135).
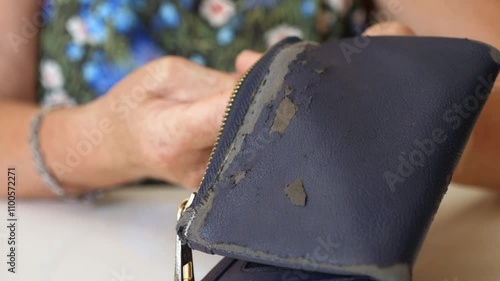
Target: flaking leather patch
point(296, 193)
point(284, 114)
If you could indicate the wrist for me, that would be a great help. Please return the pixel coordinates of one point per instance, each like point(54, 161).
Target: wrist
point(76, 147)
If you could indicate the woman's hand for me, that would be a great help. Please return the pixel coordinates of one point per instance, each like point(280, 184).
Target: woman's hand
point(167, 117)
point(161, 121)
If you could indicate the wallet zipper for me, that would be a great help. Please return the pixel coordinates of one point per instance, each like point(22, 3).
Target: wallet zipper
point(184, 268)
point(183, 259)
point(248, 82)
point(224, 120)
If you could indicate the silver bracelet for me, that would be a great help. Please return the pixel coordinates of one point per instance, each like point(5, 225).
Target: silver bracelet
point(48, 179)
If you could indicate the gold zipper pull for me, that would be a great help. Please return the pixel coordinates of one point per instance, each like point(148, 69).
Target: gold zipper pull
point(184, 269)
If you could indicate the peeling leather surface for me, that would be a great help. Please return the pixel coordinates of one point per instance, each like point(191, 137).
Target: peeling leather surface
point(296, 193)
point(284, 114)
point(265, 94)
point(378, 230)
point(271, 85)
point(239, 176)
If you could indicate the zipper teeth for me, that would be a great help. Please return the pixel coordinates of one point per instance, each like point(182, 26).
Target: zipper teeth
point(228, 109)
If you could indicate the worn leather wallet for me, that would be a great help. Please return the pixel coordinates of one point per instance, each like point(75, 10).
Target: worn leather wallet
point(333, 158)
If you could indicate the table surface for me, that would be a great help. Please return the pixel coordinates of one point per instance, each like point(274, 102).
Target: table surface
point(129, 236)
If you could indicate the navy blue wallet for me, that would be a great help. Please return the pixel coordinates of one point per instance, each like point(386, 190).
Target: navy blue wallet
point(333, 158)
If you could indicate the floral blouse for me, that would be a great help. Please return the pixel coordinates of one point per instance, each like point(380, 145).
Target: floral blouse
point(89, 45)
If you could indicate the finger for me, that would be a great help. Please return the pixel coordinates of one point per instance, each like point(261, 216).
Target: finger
point(245, 60)
point(182, 80)
point(193, 176)
point(201, 120)
point(189, 169)
point(192, 82)
point(390, 28)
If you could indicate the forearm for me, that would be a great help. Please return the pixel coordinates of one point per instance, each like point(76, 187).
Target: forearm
point(477, 20)
point(19, 49)
point(14, 147)
point(73, 143)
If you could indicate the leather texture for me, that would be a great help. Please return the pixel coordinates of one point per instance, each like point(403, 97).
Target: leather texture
point(344, 155)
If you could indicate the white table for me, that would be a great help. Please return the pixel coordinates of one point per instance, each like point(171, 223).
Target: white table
point(129, 236)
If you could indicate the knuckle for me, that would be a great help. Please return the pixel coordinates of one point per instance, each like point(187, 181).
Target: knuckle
point(173, 63)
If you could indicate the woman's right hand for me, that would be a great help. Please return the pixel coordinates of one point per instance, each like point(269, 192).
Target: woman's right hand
point(161, 121)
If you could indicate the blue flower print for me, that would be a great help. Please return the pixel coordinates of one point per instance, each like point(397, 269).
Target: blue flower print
point(169, 15)
point(104, 9)
point(90, 71)
point(143, 49)
point(85, 12)
point(96, 26)
point(86, 2)
point(102, 75)
point(111, 74)
point(74, 51)
point(118, 3)
point(225, 36)
point(308, 8)
point(124, 19)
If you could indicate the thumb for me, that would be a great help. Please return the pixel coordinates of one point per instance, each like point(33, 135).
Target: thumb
point(245, 60)
point(389, 28)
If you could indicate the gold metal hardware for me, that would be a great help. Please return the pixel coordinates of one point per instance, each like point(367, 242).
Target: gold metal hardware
point(184, 268)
